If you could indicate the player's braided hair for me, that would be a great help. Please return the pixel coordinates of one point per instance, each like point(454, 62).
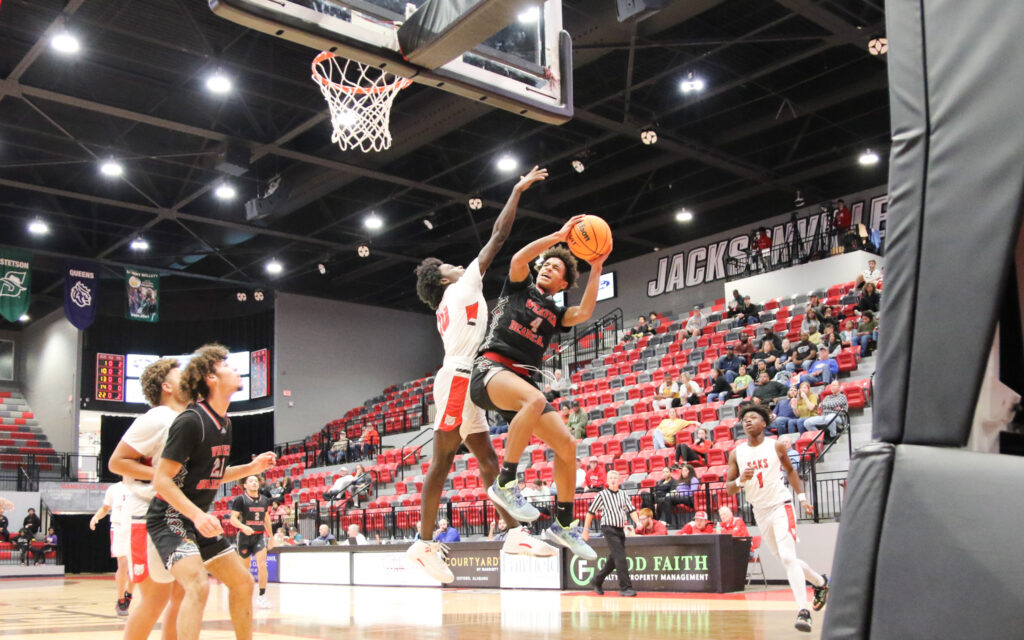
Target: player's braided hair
point(153, 378)
point(202, 364)
point(428, 282)
point(572, 269)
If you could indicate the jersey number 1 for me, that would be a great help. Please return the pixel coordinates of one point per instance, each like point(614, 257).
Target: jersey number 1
point(760, 479)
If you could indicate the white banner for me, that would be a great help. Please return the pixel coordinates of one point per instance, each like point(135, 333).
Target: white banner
point(311, 567)
point(388, 569)
point(526, 572)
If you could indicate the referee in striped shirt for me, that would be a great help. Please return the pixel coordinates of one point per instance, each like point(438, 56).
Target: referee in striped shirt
point(614, 506)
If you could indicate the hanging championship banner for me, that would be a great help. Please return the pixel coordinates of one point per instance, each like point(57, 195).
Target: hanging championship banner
point(143, 292)
point(80, 284)
point(15, 283)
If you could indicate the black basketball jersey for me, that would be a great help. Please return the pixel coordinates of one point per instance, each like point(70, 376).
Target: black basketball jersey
point(522, 323)
point(251, 511)
point(201, 441)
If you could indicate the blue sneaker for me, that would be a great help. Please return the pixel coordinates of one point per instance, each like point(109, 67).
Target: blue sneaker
point(509, 499)
point(569, 537)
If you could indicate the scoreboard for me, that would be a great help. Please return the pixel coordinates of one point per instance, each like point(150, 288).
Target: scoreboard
point(109, 377)
point(259, 370)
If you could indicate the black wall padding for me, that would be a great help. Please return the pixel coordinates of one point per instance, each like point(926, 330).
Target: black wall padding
point(956, 183)
point(84, 550)
point(853, 572)
point(111, 430)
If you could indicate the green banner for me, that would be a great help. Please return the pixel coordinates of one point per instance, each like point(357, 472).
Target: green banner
point(15, 283)
point(143, 293)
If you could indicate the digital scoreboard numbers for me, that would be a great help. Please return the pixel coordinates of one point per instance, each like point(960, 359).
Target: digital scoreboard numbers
point(259, 369)
point(109, 377)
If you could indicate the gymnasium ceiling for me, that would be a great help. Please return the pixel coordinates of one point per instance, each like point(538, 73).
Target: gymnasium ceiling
point(793, 96)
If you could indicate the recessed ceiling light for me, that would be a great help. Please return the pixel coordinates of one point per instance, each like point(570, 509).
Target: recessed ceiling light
point(224, 191)
point(578, 166)
point(38, 227)
point(218, 83)
point(475, 204)
point(112, 169)
point(274, 267)
point(428, 224)
point(65, 42)
point(868, 158)
point(363, 251)
point(878, 46)
point(321, 268)
point(139, 244)
point(692, 84)
point(529, 16)
point(648, 136)
point(684, 215)
point(506, 163)
point(373, 222)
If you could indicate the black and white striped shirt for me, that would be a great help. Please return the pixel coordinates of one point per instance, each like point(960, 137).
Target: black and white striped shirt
point(615, 507)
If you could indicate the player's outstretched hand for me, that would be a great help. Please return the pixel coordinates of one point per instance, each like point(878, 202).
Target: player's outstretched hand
point(563, 233)
point(534, 175)
point(208, 525)
point(264, 461)
point(599, 260)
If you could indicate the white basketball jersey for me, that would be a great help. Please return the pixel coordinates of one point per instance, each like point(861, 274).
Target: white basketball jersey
point(115, 499)
point(766, 489)
point(462, 317)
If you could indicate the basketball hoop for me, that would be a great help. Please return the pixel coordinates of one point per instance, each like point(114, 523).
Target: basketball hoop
point(359, 97)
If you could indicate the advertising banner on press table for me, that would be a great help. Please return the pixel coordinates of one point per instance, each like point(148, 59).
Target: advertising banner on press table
point(475, 567)
point(272, 573)
point(388, 569)
point(526, 572)
point(672, 567)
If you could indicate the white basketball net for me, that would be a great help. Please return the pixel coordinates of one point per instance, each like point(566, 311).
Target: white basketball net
point(359, 97)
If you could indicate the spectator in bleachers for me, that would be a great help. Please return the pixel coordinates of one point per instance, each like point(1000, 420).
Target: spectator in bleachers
point(648, 525)
point(667, 391)
point(665, 433)
point(287, 485)
point(791, 452)
point(280, 537)
point(869, 299)
point(814, 304)
point(718, 386)
point(560, 384)
point(682, 494)
point(699, 525)
point(276, 491)
point(641, 329)
point(820, 371)
point(802, 355)
point(341, 484)
point(806, 403)
point(563, 412)
point(695, 451)
point(769, 334)
point(339, 449)
point(370, 442)
point(23, 542)
point(766, 389)
point(49, 544)
point(864, 333)
point(361, 488)
point(278, 513)
point(445, 533)
point(578, 421)
point(661, 488)
point(325, 536)
point(596, 476)
point(695, 324)
point(730, 524)
point(31, 521)
point(849, 332)
point(786, 420)
point(581, 476)
point(689, 391)
point(729, 363)
point(810, 324)
point(5, 534)
point(741, 382)
point(833, 407)
point(497, 422)
point(830, 342)
point(769, 356)
point(536, 490)
point(829, 318)
point(498, 530)
point(870, 275)
point(354, 537)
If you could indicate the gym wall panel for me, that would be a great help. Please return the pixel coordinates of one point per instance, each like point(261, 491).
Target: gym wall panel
point(49, 364)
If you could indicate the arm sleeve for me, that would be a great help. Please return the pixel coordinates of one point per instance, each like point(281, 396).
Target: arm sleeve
point(185, 434)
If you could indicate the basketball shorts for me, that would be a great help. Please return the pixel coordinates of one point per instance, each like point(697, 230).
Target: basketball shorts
point(778, 527)
point(120, 540)
point(250, 545)
point(175, 538)
point(145, 562)
point(484, 370)
point(455, 409)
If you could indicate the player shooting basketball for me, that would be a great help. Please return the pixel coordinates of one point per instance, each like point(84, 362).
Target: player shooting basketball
point(522, 324)
point(457, 295)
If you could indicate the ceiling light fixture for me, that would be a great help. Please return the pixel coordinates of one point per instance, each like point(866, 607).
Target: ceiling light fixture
point(506, 163)
point(225, 191)
point(38, 228)
point(112, 169)
point(240, 296)
point(878, 46)
point(373, 222)
point(578, 166)
point(868, 158)
point(428, 224)
point(692, 84)
point(65, 42)
point(139, 244)
point(274, 267)
point(363, 251)
point(684, 215)
point(24, 317)
point(648, 136)
point(258, 296)
point(475, 204)
point(798, 201)
point(218, 83)
point(321, 268)
point(529, 16)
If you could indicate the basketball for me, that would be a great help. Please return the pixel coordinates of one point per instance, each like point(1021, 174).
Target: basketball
point(590, 238)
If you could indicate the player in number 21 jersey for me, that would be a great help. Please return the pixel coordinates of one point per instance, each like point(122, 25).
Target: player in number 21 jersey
point(457, 295)
point(756, 467)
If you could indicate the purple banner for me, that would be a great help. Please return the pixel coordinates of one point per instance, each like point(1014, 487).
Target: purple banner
point(80, 289)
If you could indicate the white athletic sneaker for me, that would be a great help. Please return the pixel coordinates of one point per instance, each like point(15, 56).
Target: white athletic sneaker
point(519, 540)
point(430, 556)
point(262, 602)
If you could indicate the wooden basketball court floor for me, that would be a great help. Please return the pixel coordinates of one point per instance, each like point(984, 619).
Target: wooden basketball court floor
point(82, 608)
